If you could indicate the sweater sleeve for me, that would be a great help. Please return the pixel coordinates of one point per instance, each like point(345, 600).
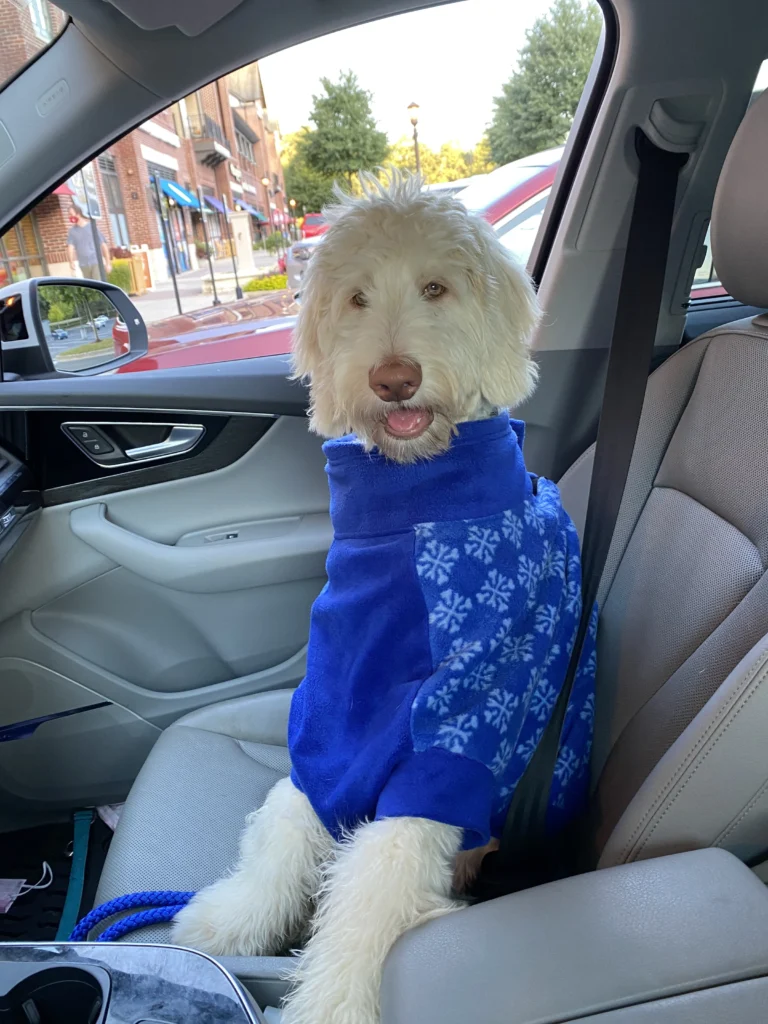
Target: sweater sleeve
point(442, 786)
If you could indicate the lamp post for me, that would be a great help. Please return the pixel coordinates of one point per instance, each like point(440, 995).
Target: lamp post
point(292, 204)
point(265, 183)
point(413, 109)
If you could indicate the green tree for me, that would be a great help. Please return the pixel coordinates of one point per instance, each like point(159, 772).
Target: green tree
point(448, 163)
point(345, 138)
point(311, 189)
point(538, 103)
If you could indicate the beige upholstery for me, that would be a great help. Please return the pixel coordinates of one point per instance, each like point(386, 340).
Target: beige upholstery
point(684, 597)
point(740, 213)
point(181, 824)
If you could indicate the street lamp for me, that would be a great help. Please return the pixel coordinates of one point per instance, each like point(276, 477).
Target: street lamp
point(265, 183)
point(292, 204)
point(413, 110)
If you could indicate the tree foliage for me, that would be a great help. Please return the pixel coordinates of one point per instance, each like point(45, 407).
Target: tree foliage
point(345, 138)
point(449, 163)
point(311, 189)
point(538, 103)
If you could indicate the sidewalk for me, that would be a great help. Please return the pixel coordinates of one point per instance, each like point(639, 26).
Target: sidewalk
point(161, 302)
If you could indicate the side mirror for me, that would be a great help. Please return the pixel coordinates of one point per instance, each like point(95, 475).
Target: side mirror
point(52, 326)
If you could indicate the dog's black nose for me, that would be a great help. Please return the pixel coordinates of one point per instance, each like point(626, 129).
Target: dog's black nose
point(395, 381)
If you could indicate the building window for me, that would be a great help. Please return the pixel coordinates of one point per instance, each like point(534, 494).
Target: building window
point(114, 195)
point(41, 19)
point(83, 184)
point(244, 147)
point(21, 252)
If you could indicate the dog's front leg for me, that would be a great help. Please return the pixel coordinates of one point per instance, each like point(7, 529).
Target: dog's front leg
point(392, 875)
point(266, 899)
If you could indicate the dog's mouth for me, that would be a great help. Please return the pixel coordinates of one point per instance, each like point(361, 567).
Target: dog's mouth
point(406, 424)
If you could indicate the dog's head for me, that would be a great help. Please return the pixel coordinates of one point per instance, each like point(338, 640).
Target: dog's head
point(414, 318)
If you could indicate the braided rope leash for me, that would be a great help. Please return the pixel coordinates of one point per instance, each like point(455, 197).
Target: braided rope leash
point(157, 906)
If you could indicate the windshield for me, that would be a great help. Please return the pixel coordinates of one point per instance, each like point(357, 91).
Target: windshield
point(486, 190)
point(28, 27)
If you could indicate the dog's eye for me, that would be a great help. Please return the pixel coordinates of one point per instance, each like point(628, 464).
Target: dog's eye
point(434, 290)
point(359, 300)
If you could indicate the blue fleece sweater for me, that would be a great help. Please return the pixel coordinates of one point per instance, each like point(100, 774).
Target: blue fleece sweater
point(441, 640)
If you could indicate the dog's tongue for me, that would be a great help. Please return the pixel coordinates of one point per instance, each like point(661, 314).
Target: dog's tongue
point(406, 421)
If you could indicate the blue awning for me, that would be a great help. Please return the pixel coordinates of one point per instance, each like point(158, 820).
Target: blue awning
point(215, 204)
point(179, 194)
point(250, 209)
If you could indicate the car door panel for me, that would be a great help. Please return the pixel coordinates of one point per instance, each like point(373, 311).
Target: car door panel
point(155, 589)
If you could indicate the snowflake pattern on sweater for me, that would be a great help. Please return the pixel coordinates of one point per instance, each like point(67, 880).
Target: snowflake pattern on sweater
point(440, 643)
point(504, 601)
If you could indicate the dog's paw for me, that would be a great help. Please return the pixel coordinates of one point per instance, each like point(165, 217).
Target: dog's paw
point(226, 920)
point(330, 1004)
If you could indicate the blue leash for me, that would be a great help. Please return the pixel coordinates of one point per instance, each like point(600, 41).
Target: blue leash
point(165, 905)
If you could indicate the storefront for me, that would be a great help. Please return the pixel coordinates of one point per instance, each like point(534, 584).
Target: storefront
point(175, 200)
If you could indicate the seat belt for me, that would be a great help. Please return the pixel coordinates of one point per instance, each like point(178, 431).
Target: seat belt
point(527, 854)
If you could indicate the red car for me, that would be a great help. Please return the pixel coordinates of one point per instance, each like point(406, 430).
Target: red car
point(512, 198)
point(314, 224)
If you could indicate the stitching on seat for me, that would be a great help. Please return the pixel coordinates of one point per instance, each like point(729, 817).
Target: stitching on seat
point(719, 625)
point(744, 814)
point(254, 755)
point(702, 759)
point(749, 679)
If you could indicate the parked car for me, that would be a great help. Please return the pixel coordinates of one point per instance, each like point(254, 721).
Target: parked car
point(297, 258)
point(314, 224)
point(452, 188)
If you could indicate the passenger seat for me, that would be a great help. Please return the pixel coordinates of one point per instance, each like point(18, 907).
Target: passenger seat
point(680, 756)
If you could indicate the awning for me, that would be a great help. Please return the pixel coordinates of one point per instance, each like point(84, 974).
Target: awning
point(64, 190)
point(178, 194)
point(250, 209)
point(215, 204)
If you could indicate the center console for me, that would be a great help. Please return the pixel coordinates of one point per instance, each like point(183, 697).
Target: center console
point(101, 983)
point(677, 940)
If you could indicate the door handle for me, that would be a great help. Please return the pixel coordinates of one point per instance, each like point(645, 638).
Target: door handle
point(182, 438)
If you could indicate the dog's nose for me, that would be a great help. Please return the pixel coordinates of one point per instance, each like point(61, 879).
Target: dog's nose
point(395, 381)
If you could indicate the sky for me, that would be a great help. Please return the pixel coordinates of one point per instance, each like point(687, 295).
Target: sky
point(451, 60)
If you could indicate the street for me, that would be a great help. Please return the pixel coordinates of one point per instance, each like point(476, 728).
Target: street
point(161, 303)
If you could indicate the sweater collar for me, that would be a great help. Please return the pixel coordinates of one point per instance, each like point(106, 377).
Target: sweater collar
point(481, 474)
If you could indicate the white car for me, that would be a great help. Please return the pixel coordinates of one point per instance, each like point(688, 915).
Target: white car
point(297, 259)
point(101, 320)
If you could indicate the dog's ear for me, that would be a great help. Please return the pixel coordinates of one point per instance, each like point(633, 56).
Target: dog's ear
point(511, 313)
point(306, 335)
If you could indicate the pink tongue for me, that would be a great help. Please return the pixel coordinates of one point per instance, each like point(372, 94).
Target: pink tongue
point(404, 420)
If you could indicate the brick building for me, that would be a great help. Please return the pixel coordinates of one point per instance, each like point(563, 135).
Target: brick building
point(218, 144)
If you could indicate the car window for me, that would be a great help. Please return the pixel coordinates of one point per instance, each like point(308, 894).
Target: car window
point(518, 229)
point(28, 27)
point(195, 213)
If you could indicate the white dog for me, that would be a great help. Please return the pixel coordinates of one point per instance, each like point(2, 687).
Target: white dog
point(441, 640)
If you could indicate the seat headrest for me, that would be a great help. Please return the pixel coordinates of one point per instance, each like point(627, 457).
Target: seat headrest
point(740, 211)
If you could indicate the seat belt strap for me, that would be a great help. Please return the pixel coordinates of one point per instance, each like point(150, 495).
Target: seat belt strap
point(524, 836)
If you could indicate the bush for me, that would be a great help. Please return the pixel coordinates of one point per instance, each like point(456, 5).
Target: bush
point(202, 250)
point(270, 283)
point(273, 242)
point(121, 275)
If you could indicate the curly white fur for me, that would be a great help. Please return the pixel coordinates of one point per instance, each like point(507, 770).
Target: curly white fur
point(266, 900)
point(471, 343)
point(390, 876)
